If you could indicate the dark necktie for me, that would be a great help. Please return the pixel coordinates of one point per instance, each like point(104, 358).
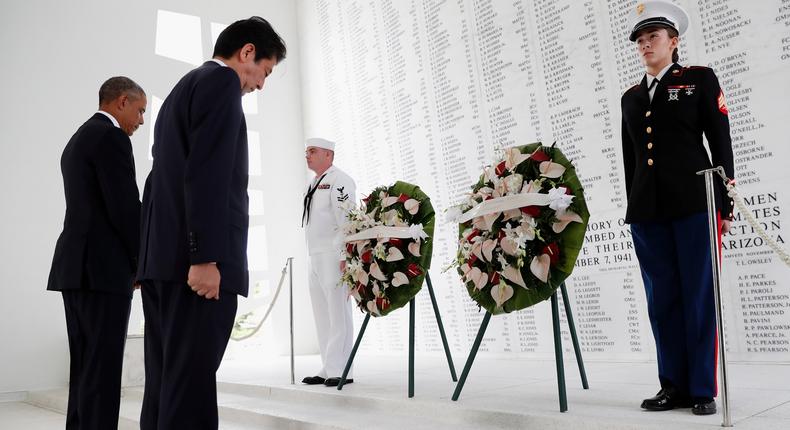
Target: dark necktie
point(308, 200)
point(652, 84)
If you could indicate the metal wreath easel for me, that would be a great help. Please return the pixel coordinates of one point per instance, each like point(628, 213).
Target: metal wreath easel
point(411, 341)
point(555, 318)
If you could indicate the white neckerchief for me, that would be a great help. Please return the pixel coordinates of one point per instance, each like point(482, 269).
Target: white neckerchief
point(112, 118)
point(650, 79)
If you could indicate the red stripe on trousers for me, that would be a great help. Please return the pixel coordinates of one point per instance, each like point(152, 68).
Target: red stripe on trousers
point(716, 334)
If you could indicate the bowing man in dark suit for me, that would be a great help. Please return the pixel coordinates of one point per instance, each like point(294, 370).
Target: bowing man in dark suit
point(96, 254)
point(193, 253)
point(664, 119)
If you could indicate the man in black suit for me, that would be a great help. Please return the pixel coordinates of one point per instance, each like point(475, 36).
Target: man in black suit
point(193, 254)
point(96, 254)
point(664, 119)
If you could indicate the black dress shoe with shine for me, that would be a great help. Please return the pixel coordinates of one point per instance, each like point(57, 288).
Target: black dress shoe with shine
point(334, 382)
point(704, 406)
point(665, 400)
point(313, 380)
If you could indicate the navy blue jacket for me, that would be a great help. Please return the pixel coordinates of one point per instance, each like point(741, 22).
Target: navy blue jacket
point(195, 204)
point(97, 249)
point(662, 145)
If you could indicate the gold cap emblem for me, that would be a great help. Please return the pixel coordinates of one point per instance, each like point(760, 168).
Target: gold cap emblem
point(640, 9)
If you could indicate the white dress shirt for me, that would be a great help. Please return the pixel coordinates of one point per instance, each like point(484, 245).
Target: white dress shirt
point(650, 79)
point(112, 118)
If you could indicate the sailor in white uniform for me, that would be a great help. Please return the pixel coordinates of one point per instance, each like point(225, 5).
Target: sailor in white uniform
point(326, 204)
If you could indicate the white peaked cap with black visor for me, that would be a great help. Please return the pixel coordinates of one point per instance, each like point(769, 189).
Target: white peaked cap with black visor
point(319, 143)
point(657, 13)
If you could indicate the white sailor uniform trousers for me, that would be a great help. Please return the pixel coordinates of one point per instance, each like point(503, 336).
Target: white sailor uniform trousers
point(325, 214)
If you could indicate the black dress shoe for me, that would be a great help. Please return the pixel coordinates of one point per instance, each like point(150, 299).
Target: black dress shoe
point(334, 382)
point(704, 407)
point(665, 400)
point(313, 380)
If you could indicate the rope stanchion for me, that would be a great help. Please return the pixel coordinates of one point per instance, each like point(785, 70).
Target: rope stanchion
point(715, 257)
point(248, 334)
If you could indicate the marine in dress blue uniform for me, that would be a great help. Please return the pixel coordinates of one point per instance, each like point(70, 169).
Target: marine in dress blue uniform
point(664, 119)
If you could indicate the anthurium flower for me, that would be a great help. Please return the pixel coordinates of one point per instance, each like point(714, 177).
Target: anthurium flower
point(511, 214)
point(394, 254)
point(412, 206)
point(501, 293)
point(382, 303)
point(488, 249)
point(539, 155)
point(372, 308)
point(367, 256)
point(533, 211)
point(553, 251)
point(388, 201)
point(414, 270)
point(359, 274)
point(414, 248)
point(375, 271)
point(349, 248)
point(540, 267)
point(509, 246)
point(394, 241)
point(399, 278)
point(477, 277)
point(563, 219)
point(402, 198)
point(527, 228)
point(489, 220)
point(514, 157)
point(477, 249)
point(390, 218)
point(485, 192)
point(355, 292)
point(500, 169)
point(552, 170)
point(493, 278)
point(513, 274)
point(530, 187)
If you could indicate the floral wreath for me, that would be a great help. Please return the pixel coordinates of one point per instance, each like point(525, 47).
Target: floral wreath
point(521, 228)
point(388, 247)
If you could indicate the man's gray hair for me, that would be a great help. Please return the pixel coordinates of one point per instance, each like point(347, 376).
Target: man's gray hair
point(117, 86)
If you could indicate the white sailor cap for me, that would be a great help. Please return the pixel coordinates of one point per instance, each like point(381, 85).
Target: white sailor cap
point(320, 143)
point(657, 13)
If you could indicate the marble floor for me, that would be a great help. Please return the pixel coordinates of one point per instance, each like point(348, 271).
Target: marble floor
point(255, 393)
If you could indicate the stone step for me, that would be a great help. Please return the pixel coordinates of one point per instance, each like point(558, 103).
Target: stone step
point(246, 407)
